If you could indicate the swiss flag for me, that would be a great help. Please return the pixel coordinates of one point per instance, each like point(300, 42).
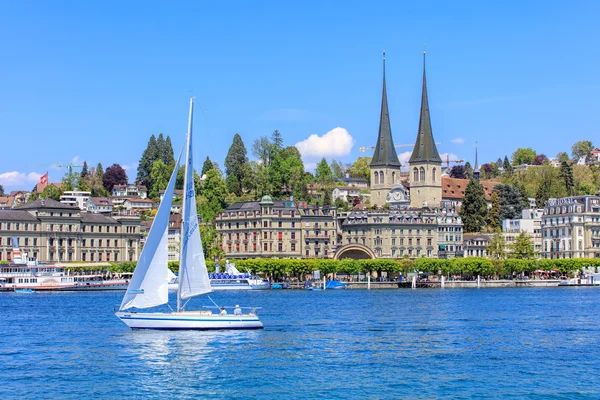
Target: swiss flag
point(44, 179)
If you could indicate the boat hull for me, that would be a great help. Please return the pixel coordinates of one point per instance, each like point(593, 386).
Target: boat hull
point(188, 320)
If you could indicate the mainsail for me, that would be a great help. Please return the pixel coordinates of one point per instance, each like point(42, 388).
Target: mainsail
point(149, 284)
point(193, 276)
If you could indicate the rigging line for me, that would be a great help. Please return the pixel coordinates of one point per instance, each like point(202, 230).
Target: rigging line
point(210, 298)
point(210, 145)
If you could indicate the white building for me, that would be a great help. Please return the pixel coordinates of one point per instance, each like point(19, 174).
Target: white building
point(530, 223)
point(130, 190)
point(345, 193)
point(571, 228)
point(134, 205)
point(76, 199)
point(99, 205)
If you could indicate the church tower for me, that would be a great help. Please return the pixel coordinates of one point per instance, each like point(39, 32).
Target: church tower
point(425, 172)
point(385, 166)
point(476, 169)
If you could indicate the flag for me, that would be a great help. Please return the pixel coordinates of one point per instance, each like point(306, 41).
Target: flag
point(44, 179)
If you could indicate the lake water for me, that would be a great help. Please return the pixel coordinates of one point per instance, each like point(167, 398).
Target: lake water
point(430, 343)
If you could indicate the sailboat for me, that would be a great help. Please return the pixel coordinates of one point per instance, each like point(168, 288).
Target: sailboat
point(149, 284)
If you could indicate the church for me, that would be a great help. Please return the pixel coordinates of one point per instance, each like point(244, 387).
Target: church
point(425, 164)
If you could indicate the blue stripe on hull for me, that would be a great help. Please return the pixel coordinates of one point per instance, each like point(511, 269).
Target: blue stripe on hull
point(189, 319)
point(197, 329)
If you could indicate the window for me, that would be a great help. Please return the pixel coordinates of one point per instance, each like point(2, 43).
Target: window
point(433, 175)
point(376, 178)
point(293, 235)
point(265, 246)
point(415, 174)
point(422, 174)
point(280, 247)
point(293, 246)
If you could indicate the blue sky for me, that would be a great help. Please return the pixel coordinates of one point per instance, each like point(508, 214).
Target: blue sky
point(93, 80)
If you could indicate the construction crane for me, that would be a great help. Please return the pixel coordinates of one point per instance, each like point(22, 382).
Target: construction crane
point(398, 146)
point(58, 165)
point(448, 161)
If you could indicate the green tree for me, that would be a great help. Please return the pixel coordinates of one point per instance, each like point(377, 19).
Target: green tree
point(151, 154)
point(207, 166)
point(510, 201)
point(523, 156)
point(168, 152)
point(494, 214)
point(69, 181)
point(261, 149)
point(474, 208)
point(582, 149)
point(84, 170)
point(562, 157)
point(468, 170)
point(291, 170)
point(99, 172)
point(235, 165)
point(522, 248)
point(585, 182)
point(51, 192)
point(326, 197)
point(276, 142)
point(213, 197)
point(361, 168)
point(159, 176)
point(1, 190)
point(566, 174)
point(323, 174)
point(209, 235)
point(496, 248)
point(507, 168)
point(337, 168)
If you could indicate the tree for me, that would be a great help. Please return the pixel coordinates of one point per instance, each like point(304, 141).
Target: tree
point(523, 156)
point(458, 171)
point(468, 170)
point(234, 165)
point(168, 152)
point(1, 190)
point(540, 159)
point(543, 192)
point(323, 174)
point(562, 156)
point(522, 248)
point(474, 208)
point(213, 197)
point(566, 174)
point(276, 141)
point(326, 197)
point(209, 235)
point(99, 171)
point(145, 165)
point(51, 192)
point(207, 166)
point(160, 176)
point(261, 149)
point(496, 248)
point(585, 182)
point(164, 150)
point(361, 169)
point(510, 201)
point(291, 170)
point(114, 175)
point(337, 168)
point(487, 170)
point(84, 170)
point(582, 149)
point(494, 214)
point(69, 181)
point(508, 170)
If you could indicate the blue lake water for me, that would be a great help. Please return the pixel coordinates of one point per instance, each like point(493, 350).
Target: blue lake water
point(430, 343)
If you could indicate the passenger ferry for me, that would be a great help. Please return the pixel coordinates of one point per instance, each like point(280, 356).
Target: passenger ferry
point(233, 279)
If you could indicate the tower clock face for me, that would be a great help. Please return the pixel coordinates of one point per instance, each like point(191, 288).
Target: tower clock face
point(398, 196)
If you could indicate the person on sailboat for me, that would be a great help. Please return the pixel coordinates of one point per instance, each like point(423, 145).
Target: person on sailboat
point(223, 311)
point(237, 310)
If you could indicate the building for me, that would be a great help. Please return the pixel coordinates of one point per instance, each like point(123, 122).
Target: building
point(475, 244)
point(530, 223)
point(361, 183)
point(52, 231)
point(318, 231)
point(174, 236)
point(571, 228)
point(425, 175)
point(135, 205)
point(346, 193)
point(20, 196)
point(130, 190)
point(404, 233)
point(385, 166)
point(453, 190)
point(6, 202)
point(260, 229)
point(76, 199)
point(102, 205)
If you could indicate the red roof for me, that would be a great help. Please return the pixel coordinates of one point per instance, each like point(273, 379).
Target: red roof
point(454, 188)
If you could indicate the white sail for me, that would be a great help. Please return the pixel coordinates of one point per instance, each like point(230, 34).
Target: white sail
point(149, 284)
point(193, 276)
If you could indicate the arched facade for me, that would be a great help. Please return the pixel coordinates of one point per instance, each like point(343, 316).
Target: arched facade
point(354, 251)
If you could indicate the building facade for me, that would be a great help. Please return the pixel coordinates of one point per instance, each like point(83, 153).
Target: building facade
point(571, 228)
point(55, 232)
point(76, 199)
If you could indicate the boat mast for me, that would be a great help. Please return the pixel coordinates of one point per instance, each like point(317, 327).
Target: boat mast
point(184, 223)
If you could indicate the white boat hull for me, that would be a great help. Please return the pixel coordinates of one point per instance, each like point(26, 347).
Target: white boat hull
point(188, 320)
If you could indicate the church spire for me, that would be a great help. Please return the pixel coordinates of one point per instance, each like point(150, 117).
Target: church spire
point(425, 149)
point(385, 152)
point(476, 169)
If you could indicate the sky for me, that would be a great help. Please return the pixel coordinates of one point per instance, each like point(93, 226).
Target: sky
point(93, 80)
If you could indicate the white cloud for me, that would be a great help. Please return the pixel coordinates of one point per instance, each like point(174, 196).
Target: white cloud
point(335, 143)
point(405, 156)
point(76, 160)
point(458, 141)
point(132, 166)
point(16, 178)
